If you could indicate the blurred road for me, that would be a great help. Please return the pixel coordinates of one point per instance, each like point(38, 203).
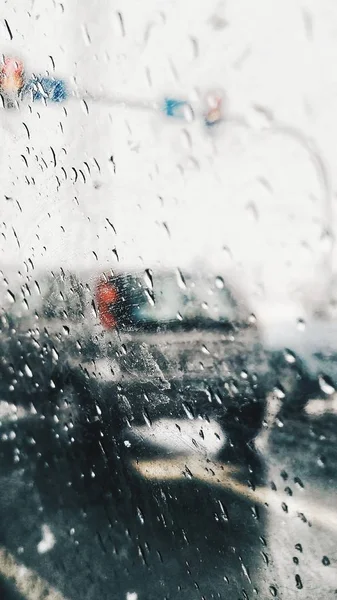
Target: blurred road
point(79, 523)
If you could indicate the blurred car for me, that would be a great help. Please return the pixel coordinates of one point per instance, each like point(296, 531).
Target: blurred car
point(110, 352)
point(183, 346)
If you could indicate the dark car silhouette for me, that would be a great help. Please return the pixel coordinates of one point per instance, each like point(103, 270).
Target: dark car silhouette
point(101, 354)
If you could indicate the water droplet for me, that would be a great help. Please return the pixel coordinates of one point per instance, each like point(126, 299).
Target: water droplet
point(252, 319)
point(299, 547)
point(150, 297)
point(188, 473)
point(114, 250)
point(325, 561)
point(301, 324)
point(8, 30)
point(327, 240)
point(188, 410)
point(120, 23)
point(252, 211)
point(326, 385)
point(186, 139)
point(181, 280)
point(111, 225)
point(148, 278)
point(245, 570)
point(28, 371)
point(11, 296)
point(299, 583)
point(321, 461)
point(167, 229)
point(188, 113)
point(147, 418)
point(86, 36)
point(85, 107)
point(273, 591)
point(140, 516)
point(289, 356)
point(93, 308)
point(52, 62)
point(54, 354)
point(195, 47)
point(219, 283)
point(279, 392)
point(302, 517)
point(27, 130)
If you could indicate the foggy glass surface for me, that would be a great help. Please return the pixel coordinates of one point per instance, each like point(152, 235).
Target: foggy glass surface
point(168, 300)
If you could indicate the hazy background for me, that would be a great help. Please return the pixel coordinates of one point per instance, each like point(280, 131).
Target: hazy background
point(254, 198)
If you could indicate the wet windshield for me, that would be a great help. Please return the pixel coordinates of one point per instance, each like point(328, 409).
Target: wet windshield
point(168, 300)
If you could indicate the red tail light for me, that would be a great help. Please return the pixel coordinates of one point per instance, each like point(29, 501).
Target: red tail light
point(106, 297)
point(11, 75)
